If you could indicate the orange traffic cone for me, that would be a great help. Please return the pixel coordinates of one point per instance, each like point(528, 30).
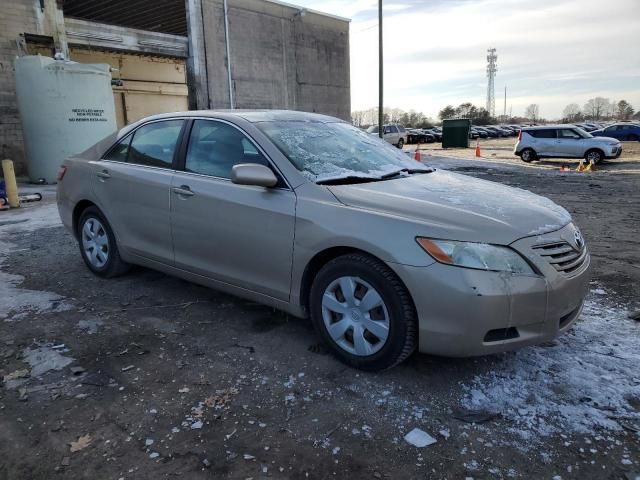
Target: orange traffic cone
point(478, 149)
point(417, 154)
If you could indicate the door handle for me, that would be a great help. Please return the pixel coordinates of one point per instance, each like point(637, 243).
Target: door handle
point(103, 175)
point(183, 190)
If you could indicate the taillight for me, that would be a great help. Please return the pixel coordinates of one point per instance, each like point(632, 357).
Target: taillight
point(519, 135)
point(61, 172)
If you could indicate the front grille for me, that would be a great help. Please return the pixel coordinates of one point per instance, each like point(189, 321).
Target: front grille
point(562, 256)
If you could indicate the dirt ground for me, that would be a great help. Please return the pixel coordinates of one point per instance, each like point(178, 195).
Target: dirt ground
point(148, 377)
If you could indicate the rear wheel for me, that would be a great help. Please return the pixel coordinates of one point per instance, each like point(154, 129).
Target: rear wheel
point(527, 155)
point(363, 312)
point(98, 245)
point(401, 143)
point(594, 156)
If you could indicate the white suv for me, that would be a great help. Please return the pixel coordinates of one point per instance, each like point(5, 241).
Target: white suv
point(564, 141)
point(393, 133)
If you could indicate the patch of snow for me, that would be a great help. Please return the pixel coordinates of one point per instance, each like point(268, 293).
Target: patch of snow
point(579, 384)
point(17, 303)
point(419, 438)
point(44, 359)
point(27, 219)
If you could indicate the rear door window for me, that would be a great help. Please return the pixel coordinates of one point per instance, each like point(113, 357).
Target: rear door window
point(154, 144)
point(120, 152)
point(547, 133)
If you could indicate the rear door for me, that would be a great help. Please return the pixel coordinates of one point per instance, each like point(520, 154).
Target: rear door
point(237, 234)
point(133, 184)
point(543, 141)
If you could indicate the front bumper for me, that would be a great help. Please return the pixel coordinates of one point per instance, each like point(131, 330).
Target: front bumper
point(464, 312)
point(615, 152)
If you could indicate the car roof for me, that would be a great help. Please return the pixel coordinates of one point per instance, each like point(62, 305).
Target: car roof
point(252, 116)
point(546, 127)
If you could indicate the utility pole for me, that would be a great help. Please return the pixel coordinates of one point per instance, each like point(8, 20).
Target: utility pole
point(504, 112)
point(380, 73)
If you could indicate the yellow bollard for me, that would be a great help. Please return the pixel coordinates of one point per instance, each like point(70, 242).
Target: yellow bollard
point(10, 183)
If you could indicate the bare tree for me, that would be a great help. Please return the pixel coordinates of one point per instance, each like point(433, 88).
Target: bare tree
point(596, 108)
point(571, 112)
point(532, 112)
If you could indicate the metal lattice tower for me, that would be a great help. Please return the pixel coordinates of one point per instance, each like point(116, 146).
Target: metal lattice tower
point(492, 68)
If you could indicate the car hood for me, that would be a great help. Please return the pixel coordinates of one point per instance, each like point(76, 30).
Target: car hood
point(458, 207)
point(602, 139)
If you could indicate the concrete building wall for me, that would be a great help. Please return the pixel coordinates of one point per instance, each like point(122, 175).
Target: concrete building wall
point(16, 17)
point(279, 58)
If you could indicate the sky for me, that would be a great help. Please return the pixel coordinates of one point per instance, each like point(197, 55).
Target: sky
point(550, 52)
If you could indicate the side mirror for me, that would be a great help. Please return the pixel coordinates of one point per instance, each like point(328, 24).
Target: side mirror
point(253, 174)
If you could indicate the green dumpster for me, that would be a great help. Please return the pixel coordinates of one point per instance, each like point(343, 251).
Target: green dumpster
point(455, 133)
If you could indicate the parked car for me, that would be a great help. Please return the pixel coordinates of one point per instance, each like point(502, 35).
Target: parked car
point(587, 127)
point(500, 133)
point(417, 135)
point(473, 134)
point(393, 133)
point(513, 132)
point(437, 132)
point(489, 133)
point(480, 132)
point(564, 141)
point(310, 215)
point(622, 131)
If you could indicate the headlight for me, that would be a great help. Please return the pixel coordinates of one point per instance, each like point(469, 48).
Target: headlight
point(481, 256)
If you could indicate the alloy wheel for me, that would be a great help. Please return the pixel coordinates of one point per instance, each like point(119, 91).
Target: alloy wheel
point(593, 157)
point(355, 316)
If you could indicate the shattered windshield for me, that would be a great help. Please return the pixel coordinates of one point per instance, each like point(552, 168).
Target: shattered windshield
point(333, 150)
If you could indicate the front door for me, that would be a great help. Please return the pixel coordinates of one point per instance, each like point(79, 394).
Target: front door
point(569, 143)
point(133, 185)
point(238, 234)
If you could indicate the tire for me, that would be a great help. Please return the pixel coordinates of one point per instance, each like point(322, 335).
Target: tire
point(95, 235)
point(594, 155)
point(527, 155)
point(393, 313)
point(401, 143)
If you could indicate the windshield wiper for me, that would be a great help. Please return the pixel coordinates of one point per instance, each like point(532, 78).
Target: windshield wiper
point(406, 170)
point(347, 179)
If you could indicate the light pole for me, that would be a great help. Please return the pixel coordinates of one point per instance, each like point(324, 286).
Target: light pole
point(380, 75)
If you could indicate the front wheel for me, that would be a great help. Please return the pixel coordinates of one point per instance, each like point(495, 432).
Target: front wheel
point(401, 143)
point(98, 245)
point(527, 155)
point(594, 156)
point(363, 312)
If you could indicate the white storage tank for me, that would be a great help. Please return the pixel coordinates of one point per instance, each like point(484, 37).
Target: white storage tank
point(65, 108)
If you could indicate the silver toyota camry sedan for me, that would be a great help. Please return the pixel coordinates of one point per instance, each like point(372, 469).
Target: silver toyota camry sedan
point(315, 217)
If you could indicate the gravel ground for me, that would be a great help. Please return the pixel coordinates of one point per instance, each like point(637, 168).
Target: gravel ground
point(147, 376)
